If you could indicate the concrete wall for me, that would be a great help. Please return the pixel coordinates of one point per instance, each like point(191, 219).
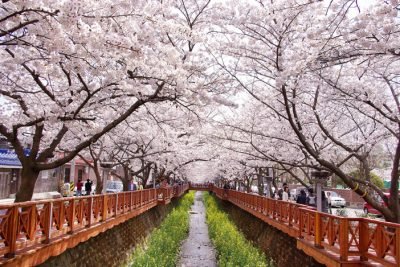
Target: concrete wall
point(112, 247)
point(277, 245)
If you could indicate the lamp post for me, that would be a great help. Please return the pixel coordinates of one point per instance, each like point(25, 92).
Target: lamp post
point(320, 178)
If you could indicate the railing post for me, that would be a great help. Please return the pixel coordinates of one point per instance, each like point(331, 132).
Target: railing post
point(131, 200)
point(379, 239)
point(301, 222)
point(104, 211)
point(317, 230)
point(397, 246)
point(12, 228)
point(344, 239)
point(116, 205)
point(48, 222)
point(32, 222)
point(363, 239)
point(71, 216)
point(61, 215)
point(89, 212)
point(81, 204)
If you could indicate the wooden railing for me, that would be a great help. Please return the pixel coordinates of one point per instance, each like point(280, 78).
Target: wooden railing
point(200, 186)
point(24, 226)
point(345, 240)
point(179, 190)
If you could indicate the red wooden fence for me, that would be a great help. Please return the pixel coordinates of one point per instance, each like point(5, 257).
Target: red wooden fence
point(330, 239)
point(32, 225)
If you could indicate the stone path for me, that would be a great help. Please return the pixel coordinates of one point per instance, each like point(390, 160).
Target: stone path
point(197, 250)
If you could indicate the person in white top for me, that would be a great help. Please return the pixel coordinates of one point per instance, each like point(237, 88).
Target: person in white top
point(285, 194)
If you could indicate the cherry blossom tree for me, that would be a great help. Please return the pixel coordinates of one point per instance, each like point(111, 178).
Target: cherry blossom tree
point(72, 71)
point(326, 73)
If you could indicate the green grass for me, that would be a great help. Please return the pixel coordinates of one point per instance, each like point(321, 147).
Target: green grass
point(232, 247)
point(162, 247)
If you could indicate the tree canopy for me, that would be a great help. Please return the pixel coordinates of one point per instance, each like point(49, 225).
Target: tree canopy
point(247, 88)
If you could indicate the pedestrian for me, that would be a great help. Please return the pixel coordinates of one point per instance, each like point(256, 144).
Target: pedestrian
point(302, 198)
point(280, 193)
point(311, 198)
point(79, 187)
point(324, 202)
point(285, 194)
point(88, 186)
point(140, 187)
point(328, 194)
point(285, 185)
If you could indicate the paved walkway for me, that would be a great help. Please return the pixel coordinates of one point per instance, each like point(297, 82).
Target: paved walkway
point(197, 250)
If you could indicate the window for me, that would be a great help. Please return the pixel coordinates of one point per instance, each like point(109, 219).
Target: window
point(80, 174)
point(67, 175)
point(44, 174)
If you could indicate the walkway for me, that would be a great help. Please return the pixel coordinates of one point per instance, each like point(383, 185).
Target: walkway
point(197, 249)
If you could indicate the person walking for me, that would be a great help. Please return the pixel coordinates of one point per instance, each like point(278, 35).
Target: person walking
point(311, 198)
point(302, 198)
point(88, 186)
point(79, 188)
point(324, 202)
point(140, 186)
point(328, 194)
point(285, 194)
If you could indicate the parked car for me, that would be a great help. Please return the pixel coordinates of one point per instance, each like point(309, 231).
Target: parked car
point(336, 199)
point(369, 209)
point(114, 186)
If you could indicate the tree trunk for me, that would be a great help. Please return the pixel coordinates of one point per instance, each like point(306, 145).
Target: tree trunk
point(146, 175)
point(394, 192)
point(28, 180)
point(99, 180)
point(126, 179)
point(125, 183)
point(260, 181)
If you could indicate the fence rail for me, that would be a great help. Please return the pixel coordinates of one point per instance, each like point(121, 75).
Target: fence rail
point(200, 186)
point(23, 226)
point(341, 239)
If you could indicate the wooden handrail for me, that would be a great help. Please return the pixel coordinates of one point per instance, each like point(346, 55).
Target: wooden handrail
point(25, 225)
point(369, 240)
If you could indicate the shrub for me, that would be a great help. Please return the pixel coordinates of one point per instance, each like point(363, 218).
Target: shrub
point(162, 247)
point(232, 247)
point(375, 179)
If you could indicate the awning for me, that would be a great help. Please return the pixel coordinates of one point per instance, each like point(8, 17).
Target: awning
point(10, 167)
point(9, 159)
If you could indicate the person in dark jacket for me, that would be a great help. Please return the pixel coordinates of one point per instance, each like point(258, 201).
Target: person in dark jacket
point(88, 187)
point(325, 206)
point(302, 198)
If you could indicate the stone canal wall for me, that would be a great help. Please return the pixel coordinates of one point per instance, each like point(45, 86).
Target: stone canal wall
point(112, 247)
point(277, 245)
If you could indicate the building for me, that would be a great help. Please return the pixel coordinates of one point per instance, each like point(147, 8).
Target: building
point(10, 169)
point(48, 180)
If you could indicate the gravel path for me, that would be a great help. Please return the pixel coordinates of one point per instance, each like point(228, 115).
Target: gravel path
point(197, 250)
